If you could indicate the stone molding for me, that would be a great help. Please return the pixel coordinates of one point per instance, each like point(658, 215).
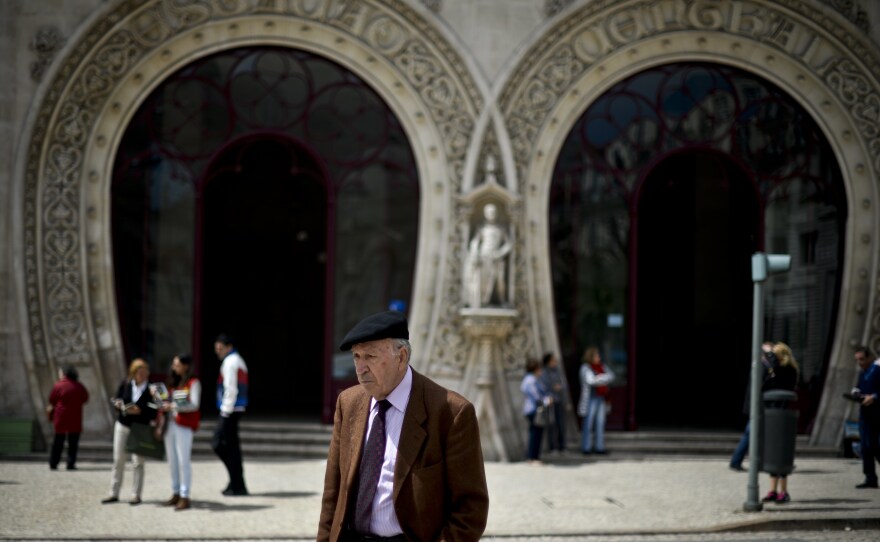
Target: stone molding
point(127, 50)
point(822, 61)
point(46, 44)
point(106, 70)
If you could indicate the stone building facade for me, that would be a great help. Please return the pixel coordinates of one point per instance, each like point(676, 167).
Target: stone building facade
point(488, 94)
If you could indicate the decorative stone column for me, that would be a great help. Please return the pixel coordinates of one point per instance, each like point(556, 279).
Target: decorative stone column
point(488, 328)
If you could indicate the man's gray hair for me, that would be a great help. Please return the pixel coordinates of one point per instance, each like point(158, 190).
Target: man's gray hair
point(403, 343)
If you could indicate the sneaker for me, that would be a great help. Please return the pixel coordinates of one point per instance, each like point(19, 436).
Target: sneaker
point(737, 468)
point(783, 498)
point(867, 485)
point(770, 497)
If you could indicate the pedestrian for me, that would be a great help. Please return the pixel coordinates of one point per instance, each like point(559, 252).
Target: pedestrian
point(182, 418)
point(536, 406)
point(739, 453)
point(65, 411)
point(232, 400)
point(783, 376)
point(595, 377)
point(551, 379)
point(869, 414)
point(132, 406)
point(419, 475)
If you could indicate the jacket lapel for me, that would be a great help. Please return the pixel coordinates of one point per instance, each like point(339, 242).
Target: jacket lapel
point(412, 433)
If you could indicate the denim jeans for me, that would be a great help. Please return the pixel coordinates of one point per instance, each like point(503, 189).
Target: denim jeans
point(595, 417)
point(535, 434)
point(178, 450)
point(739, 454)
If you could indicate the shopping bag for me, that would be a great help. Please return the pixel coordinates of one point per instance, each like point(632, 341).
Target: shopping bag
point(142, 442)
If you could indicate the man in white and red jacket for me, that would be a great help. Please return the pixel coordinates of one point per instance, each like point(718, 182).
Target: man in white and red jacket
point(232, 400)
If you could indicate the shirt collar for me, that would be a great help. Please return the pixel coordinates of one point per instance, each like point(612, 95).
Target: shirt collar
point(399, 396)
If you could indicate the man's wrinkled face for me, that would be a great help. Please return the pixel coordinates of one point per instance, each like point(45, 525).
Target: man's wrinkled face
point(380, 366)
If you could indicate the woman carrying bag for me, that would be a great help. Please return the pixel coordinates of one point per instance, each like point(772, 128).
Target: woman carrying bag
point(536, 401)
point(132, 405)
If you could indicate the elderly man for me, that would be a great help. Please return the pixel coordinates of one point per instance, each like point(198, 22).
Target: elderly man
point(405, 461)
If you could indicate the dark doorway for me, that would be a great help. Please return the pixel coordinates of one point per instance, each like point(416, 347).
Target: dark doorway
point(698, 225)
point(263, 271)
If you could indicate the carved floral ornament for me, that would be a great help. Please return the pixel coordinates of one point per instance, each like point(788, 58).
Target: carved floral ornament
point(831, 66)
point(794, 28)
point(65, 313)
point(62, 320)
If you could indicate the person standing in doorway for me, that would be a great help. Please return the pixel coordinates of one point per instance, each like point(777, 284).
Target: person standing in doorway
point(405, 460)
point(869, 414)
point(65, 409)
point(232, 400)
point(182, 414)
point(551, 378)
point(595, 377)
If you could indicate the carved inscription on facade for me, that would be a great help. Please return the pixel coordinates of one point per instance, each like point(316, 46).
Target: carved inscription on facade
point(55, 268)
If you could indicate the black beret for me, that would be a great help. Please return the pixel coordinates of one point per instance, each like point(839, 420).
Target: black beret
point(382, 325)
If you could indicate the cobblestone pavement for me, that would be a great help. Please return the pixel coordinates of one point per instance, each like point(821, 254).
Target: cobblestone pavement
point(629, 501)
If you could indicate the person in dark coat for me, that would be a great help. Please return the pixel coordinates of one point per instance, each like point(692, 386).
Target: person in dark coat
point(783, 375)
point(65, 410)
point(869, 414)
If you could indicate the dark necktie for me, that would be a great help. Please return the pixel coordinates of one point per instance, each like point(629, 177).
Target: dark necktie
point(371, 465)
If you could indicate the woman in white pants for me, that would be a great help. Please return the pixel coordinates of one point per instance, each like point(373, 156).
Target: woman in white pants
point(182, 421)
point(132, 402)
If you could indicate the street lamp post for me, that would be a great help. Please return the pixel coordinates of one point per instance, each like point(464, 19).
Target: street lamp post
point(763, 265)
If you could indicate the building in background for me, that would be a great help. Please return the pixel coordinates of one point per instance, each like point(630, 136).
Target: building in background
point(276, 170)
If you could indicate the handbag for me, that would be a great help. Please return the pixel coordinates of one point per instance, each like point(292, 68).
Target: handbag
point(540, 415)
point(142, 442)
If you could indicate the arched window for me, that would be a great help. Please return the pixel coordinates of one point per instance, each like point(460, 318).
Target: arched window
point(273, 148)
point(766, 144)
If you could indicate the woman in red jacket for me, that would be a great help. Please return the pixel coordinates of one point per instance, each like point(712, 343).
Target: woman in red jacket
point(66, 412)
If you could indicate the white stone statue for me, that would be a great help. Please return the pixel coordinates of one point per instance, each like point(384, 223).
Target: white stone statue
point(484, 273)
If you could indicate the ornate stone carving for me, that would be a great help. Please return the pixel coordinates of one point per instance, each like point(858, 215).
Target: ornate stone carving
point(568, 50)
point(61, 325)
point(46, 43)
point(852, 11)
point(856, 92)
point(551, 75)
point(552, 7)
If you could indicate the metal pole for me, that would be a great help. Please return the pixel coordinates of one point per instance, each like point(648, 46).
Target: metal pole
point(753, 503)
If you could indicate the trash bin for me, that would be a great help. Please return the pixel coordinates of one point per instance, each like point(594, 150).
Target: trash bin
point(780, 430)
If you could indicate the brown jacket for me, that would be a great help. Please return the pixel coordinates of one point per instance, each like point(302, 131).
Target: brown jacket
point(440, 488)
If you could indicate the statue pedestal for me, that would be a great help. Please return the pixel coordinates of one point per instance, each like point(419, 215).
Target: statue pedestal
point(488, 328)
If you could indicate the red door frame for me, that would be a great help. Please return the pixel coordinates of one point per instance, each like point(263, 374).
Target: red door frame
point(631, 421)
point(198, 265)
